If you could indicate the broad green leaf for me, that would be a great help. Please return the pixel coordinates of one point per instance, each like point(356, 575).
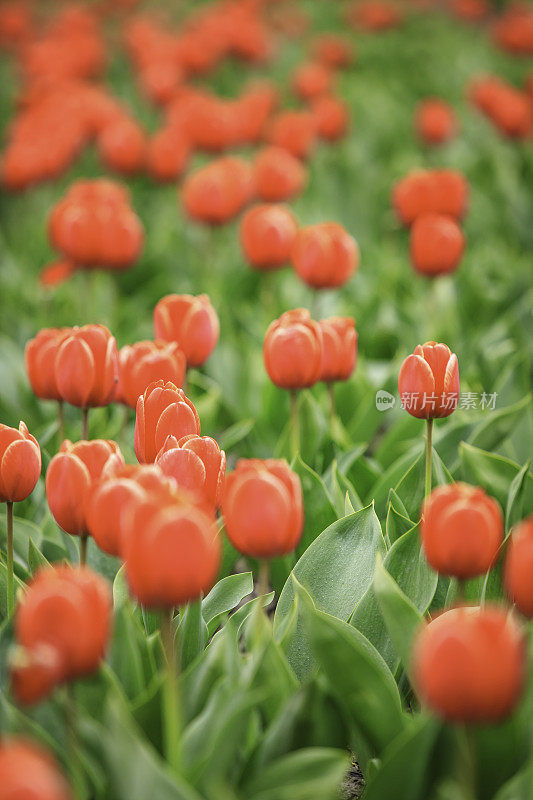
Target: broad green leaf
point(36, 560)
point(356, 675)
point(192, 634)
point(306, 774)
point(494, 473)
point(225, 596)
point(318, 505)
point(515, 498)
point(336, 570)
point(120, 588)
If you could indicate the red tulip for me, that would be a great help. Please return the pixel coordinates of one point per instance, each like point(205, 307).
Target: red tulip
point(331, 117)
point(278, 174)
point(518, 566)
point(163, 410)
point(218, 192)
point(430, 192)
point(436, 244)
point(172, 552)
point(190, 321)
point(70, 477)
point(197, 464)
point(122, 146)
point(262, 507)
point(20, 463)
point(86, 367)
point(167, 155)
point(461, 529)
point(295, 131)
point(470, 664)
point(312, 80)
point(29, 771)
point(339, 339)
point(292, 350)
point(68, 610)
point(435, 121)
point(39, 356)
point(429, 381)
point(333, 50)
point(56, 273)
point(325, 255)
point(142, 363)
point(267, 236)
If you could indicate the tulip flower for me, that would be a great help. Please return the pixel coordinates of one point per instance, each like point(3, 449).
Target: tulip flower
point(325, 255)
point(435, 121)
point(197, 464)
point(217, 192)
point(332, 117)
point(20, 467)
point(39, 357)
point(312, 80)
point(295, 131)
point(519, 565)
point(470, 664)
point(143, 363)
point(443, 191)
point(436, 244)
point(278, 175)
point(66, 614)
point(267, 236)
point(462, 530)
point(163, 410)
point(167, 155)
point(292, 352)
point(190, 321)
point(333, 51)
point(122, 146)
point(70, 477)
point(27, 770)
point(86, 369)
point(339, 352)
point(429, 388)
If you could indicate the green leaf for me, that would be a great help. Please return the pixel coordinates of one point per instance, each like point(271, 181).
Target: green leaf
point(406, 564)
point(515, 498)
point(319, 508)
point(308, 774)
point(121, 592)
point(336, 570)
point(36, 560)
point(225, 596)
point(401, 617)
point(494, 473)
point(356, 674)
point(405, 764)
point(192, 633)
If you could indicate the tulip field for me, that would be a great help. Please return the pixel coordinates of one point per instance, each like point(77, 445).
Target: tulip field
point(266, 493)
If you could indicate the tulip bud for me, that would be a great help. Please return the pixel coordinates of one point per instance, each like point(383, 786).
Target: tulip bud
point(163, 410)
point(70, 477)
point(292, 350)
point(278, 174)
point(519, 566)
point(142, 363)
point(190, 321)
point(267, 236)
point(325, 255)
point(331, 117)
point(86, 367)
point(262, 506)
point(462, 530)
point(197, 464)
point(470, 664)
point(67, 610)
point(122, 146)
point(295, 131)
point(172, 552)
point(435, 121)
point(430, 192)
point(333, 51)
point(39, 355)
point(436, 243)
point(217, 192)
point(339, 353)
point(20, 463)
point(312, 80)
point(167, 155)
point(429, 381)
point(29, 771)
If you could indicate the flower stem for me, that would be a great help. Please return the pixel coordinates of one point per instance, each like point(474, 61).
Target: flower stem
point(263, 578)
point(171, 700)
point(10, 579)
point(466, 763)
point(429, 450)
point(295, 425)
point(60, 421)
point(83, 550)
point(85, 423)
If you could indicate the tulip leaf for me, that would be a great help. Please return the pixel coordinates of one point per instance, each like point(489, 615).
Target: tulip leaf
point(225, 596)
point(36, 560)
point(336, 570)
point(192, 633)
point(319, 509)
point(303, 775)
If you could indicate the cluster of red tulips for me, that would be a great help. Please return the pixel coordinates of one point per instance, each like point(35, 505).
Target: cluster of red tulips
point(432, 203)
point(508, 108)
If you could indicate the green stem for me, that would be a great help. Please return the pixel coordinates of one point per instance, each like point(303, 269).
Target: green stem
point(263, 578)
point(10, 579)
point(295, 425)
point(60, 421)
point(171, 700)
point(74, 760)
point(85, 423)
point(466, 763)
point(83, 550)
point(332, 403)
point(429, 450)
